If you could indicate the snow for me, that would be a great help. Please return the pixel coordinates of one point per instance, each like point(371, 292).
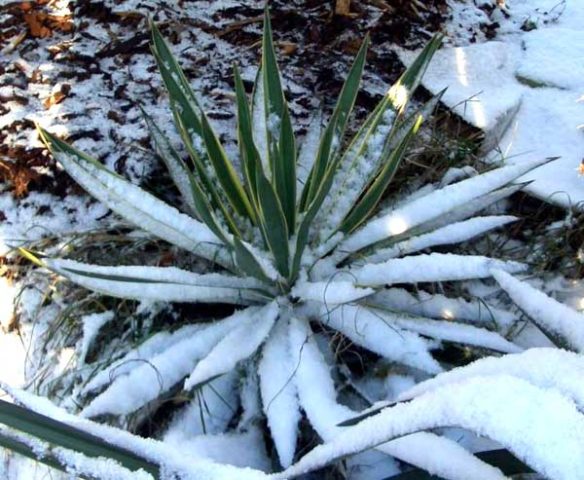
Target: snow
point(548, 368)
point(435, 267)
point(279, 399)
point(91, 325)
point(317, 396)
point(210, 412)
point(439, 306)
point(525, 88)
point(563, 67)
point(147, 381)
point(158, 283)
point(370, 330)
point(552, 317)
point(239, 450)
point(329, 293)
point(480, 81)
point(237, 345)
point(558, 182)
point(539, 426)
point(434, 205)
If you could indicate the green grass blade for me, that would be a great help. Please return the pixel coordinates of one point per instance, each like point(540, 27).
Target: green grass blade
point(333, 135)
point(63, 435)
point(376, 190)
point(280, 135)
point(273, 223)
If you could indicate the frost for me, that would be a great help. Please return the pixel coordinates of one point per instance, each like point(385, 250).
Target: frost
point(273, 125)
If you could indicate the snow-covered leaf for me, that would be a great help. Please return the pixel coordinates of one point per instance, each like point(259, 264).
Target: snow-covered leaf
point(371, 330)
point(554, 318)
point(138, 206)
point(435, 267)
point(434, 204)
point(160, 283)
point(330, 293)
point(280, 403)
point(450, 331)
point(147, 381)
point(539, 426)
point(241, 342)
point(548, 368)
point(308, 151)
point(457, 232)
point(179, 172)
point(424, 304)
point(145, 351)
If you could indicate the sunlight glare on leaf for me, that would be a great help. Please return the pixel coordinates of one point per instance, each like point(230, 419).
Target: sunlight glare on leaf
point(396, 225)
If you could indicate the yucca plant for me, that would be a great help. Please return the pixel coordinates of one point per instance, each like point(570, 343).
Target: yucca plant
point(295, 239)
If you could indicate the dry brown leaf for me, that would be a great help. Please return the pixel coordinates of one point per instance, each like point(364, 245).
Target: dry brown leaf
point(41, 24)
point(18, 176)
point(53, 99)
point(343, 7)
point(287, 48)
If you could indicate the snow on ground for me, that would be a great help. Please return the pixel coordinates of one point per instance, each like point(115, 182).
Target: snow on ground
point(525, 89)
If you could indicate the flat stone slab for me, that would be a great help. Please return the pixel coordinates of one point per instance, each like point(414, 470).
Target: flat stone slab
point(546, 126)
point(527, 94)
point(482, 88)
point(553, 57)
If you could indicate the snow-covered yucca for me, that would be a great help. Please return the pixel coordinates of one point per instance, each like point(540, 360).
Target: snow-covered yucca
point(297, 241)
